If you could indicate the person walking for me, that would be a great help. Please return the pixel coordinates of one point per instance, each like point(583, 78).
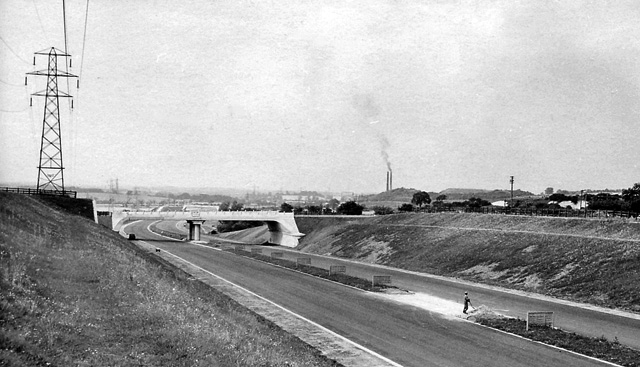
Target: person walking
point(467, 302)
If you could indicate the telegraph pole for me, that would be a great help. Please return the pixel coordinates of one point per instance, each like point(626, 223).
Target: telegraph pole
point(511, 191)
point(50, 168)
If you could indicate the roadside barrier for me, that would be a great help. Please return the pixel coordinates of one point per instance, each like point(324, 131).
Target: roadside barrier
point(381, 280)
point(303, 261)
point(540, 318)
point(337, 269)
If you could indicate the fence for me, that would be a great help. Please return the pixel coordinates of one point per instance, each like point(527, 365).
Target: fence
point(28, 191)
point(381, 280)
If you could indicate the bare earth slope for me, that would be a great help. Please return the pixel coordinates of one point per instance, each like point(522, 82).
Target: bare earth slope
point(591, 261)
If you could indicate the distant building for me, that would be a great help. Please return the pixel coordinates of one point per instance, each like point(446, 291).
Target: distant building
point(580, 204)
point(295, 199)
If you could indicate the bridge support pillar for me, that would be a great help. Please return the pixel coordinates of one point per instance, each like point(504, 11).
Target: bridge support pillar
point(194, 229)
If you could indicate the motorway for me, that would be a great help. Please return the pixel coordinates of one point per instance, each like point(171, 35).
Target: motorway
point(407, 335)
point(572, 317)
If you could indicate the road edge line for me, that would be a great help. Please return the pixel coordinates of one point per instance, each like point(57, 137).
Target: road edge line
point(358, 346)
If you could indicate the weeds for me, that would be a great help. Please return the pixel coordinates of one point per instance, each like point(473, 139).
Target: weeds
point(599, 347)
point(73, 293)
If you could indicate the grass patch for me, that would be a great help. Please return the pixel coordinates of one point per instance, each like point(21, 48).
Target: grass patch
point(600, 348)
point(74, 293)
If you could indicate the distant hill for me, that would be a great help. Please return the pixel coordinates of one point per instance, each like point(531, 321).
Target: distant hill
point(400, 194)
point(392, 199)
point(465, 194)
point(458, 191)
point(403, 195)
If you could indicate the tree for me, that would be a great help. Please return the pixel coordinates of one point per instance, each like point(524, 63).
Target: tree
point(333, 204)
point(441, 197)
point(477, 203)
point(562, 197)
point(350, 208)
point(236, 206)
point(382, 210)
point(631, 194)
point(286, 207)
point(420, 198)
point(631, 197)
point(183, 196)
point(405, 208)
point(224, 207)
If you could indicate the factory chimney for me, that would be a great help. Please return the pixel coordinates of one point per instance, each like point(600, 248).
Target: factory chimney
point(387, 180)
point(390, 180)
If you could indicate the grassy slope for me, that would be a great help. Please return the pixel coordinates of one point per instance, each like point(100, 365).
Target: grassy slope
point(490, 249)
point(75, 293)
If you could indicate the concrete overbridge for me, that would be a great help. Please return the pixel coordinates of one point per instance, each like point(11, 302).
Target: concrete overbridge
point(282, 226)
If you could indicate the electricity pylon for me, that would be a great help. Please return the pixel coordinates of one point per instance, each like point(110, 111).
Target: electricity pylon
point(50, 169)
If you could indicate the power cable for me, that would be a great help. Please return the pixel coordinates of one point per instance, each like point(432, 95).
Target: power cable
point(66, 49)
point(11, 84)
point(40, 21)
point(64, 22)
point(16, 111)
point(13, 52)
point(84, 41)
point(74, 136)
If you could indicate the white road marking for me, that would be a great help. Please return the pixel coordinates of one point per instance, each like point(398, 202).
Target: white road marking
point(385, 359)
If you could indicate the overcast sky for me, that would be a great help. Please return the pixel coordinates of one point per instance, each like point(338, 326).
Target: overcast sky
point(324, 95)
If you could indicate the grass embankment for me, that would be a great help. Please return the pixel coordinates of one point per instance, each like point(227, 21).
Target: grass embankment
point(75, 293)
point(591, 261)
point(601, 348)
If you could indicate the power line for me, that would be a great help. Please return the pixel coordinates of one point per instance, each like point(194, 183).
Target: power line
point(11, 84)
point(74, 135)
point(13, 52)
point(40, 21)
point(64, 22)
point(84, 39)
point(66, 49)
point(8, 111)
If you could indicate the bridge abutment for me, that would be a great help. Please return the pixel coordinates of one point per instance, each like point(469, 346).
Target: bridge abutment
point(194, 229)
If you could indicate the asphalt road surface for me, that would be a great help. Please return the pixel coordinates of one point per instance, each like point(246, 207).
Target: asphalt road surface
point(407, 335)
point(585, 321)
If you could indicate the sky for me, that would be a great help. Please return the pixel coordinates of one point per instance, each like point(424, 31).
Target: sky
point(328, 95)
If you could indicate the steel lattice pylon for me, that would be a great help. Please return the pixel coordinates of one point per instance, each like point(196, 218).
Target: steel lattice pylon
point(51, 168)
